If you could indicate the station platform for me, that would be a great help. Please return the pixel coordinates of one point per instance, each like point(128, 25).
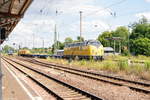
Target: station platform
point(14, 88)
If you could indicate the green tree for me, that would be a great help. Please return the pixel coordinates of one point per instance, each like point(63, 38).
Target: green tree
point(80, 38)
point(68, 40)
point(121, 32)
point(25, 48)
point(103, 38)
point(61, 45)
point(140, 33)
point(58, 45)
point(8, 48)
point(141, 46)
point(139, 38)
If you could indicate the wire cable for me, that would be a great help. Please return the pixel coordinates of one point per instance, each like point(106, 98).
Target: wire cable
point(111, 5)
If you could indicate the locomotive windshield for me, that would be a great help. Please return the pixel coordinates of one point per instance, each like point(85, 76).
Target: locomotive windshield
point(94, 43)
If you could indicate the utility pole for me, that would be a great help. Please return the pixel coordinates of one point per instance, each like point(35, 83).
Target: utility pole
point(80, 25)
point(33, 41)
point(55, 34)
point(43, 43)
point(43, 46)
point(55, 39)
point(58, 40)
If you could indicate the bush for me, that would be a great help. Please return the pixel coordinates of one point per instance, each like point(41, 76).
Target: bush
point(82, 62)
point(126, 53)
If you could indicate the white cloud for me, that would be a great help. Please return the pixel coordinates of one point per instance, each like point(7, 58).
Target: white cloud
point(90, 29)
point(145, 14)
point(40, 20)
point(72, 7)
point(24, 31)
point(147, 0)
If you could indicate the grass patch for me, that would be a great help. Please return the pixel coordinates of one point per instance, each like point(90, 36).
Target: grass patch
point(122, 65)
point(147, 65)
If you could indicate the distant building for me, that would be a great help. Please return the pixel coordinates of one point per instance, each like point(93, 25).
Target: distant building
point(58, 53)
point(108, 51)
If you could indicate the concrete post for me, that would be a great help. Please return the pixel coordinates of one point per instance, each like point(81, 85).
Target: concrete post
point(81, 26)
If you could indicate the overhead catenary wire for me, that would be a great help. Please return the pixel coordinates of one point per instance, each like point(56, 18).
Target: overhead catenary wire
point(116, 3)
point(105, 8)
point(43, 8)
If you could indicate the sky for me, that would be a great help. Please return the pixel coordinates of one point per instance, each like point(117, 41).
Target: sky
point(38, 25)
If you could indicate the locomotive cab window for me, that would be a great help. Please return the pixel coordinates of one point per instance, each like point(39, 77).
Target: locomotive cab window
point(94, 43)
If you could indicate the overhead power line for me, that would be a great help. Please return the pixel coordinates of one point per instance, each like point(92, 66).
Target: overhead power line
point(111, 5)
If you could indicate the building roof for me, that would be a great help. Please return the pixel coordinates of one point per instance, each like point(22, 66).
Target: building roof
point(11, 11)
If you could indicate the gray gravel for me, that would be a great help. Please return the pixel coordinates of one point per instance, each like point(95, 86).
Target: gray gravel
point(104, 90)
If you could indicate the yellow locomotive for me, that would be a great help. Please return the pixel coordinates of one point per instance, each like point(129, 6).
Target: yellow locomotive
point(27, 53)
point(91, 49)
point(23, 52)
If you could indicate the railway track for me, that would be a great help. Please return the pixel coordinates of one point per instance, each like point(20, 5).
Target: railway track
point(136, 86)
point(59, 89)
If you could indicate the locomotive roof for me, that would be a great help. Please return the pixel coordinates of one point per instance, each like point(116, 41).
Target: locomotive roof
point(83, 41)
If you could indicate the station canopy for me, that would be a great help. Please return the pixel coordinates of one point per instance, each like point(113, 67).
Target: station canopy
point(11, 11)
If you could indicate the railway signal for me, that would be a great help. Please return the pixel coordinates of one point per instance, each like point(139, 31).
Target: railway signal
point(115, 39)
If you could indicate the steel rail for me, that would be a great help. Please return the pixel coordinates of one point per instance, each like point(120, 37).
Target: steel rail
point(92, 96)
point(97, 74)
point(110, 77)
point(41, 85)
